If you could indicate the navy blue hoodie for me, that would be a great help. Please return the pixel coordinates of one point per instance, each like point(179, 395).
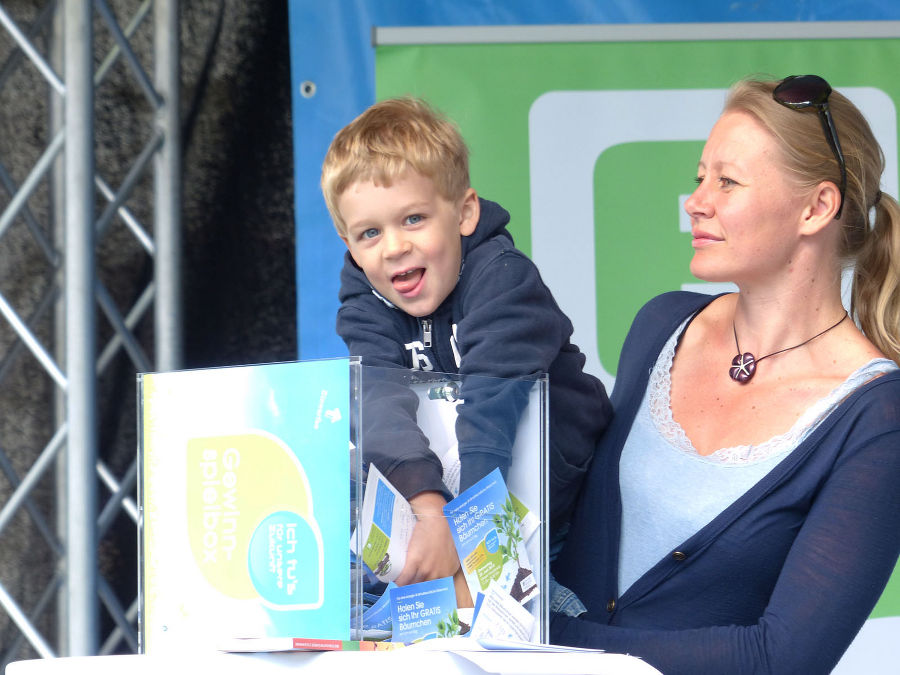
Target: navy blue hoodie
point(500, 321)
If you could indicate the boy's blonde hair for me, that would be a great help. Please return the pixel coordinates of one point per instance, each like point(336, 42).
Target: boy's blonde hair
point(391, 137)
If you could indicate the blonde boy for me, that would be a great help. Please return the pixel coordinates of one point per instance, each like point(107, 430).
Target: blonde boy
point(432, 281)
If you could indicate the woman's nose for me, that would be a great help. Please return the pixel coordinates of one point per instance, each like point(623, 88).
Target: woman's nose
point(698, 204)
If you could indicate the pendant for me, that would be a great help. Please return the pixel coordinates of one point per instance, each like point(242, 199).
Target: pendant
point(743, 368)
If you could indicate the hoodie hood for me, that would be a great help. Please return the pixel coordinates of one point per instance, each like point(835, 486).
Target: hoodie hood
point(492, 222)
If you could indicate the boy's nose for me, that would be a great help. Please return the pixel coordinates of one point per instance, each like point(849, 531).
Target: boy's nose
point(395, 244)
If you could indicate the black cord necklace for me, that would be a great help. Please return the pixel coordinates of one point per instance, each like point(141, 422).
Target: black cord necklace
point(743, 366)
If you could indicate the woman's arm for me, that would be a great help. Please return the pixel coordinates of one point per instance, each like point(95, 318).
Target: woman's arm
point(831, 578)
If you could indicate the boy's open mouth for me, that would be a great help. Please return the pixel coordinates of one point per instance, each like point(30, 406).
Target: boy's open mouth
point(408, 280)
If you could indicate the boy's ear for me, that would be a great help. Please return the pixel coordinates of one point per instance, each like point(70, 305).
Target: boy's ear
point(469, 213)
point(347, 244)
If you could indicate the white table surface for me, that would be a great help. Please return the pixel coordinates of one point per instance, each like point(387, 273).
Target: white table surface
point(407, 660)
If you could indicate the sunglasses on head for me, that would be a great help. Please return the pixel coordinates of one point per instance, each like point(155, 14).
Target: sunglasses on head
point(811, 91)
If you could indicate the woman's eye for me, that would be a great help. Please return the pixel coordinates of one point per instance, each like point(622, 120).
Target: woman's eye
point(698, 180)
point(725, 181)
point(413, 219)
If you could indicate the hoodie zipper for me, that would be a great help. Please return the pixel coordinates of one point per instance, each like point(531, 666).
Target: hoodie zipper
point(426, 332)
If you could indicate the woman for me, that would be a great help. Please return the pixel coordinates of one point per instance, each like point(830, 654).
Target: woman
point(742, 514)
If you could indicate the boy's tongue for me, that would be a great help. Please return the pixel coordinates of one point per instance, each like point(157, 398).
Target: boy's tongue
point(404, 283)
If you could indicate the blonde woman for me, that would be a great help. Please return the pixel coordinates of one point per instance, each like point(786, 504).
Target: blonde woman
point(742, 514)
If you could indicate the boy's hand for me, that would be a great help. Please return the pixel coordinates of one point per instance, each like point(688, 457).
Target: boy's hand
point(461, 586)
point(431, 553)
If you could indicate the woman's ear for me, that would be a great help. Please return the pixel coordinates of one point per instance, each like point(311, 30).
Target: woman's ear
point(469, 213)
point(823, 205)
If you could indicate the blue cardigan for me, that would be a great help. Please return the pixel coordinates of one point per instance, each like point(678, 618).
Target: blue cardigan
point(783, 579)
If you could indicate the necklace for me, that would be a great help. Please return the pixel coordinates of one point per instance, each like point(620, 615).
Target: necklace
point(743, 365)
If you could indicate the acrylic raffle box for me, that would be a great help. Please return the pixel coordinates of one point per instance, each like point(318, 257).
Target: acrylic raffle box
point(250, 483)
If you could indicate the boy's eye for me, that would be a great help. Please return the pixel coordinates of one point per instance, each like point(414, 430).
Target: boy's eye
point(371, 233)
point(413, 219)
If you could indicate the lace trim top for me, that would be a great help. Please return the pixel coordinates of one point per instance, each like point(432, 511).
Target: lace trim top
point(659, 466)
point(659, 391)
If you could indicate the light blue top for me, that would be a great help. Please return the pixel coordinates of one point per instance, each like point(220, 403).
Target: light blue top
point(669, 491)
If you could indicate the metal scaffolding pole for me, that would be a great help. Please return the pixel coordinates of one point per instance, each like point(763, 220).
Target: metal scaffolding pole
point(49, 200)
point(167, 188)
point(80, 333)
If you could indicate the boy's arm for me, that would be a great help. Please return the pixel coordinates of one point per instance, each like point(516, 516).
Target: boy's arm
point(391, 437)
point(511, 327)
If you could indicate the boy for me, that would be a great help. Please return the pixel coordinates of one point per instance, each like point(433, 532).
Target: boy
point(432, 281)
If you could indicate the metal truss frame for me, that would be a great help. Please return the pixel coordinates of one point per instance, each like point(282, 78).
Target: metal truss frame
point(60, 47)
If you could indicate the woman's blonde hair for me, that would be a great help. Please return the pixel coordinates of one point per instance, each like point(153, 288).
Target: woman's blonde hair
point(388, 139)
point(871, 245)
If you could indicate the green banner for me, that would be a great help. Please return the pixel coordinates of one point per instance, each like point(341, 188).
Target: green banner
point(630, 117)
point(593, 146)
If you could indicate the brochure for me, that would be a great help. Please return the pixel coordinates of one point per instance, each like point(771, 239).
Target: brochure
point(378, 616)
point(424, 610)
point(499, 616)
point(387, 521)
point(296, 644)
point(499, 645)
point(485, 528)
point(528, 521)
point(436, 417)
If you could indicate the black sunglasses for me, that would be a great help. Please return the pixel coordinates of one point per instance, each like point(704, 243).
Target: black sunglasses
point(811, 91)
